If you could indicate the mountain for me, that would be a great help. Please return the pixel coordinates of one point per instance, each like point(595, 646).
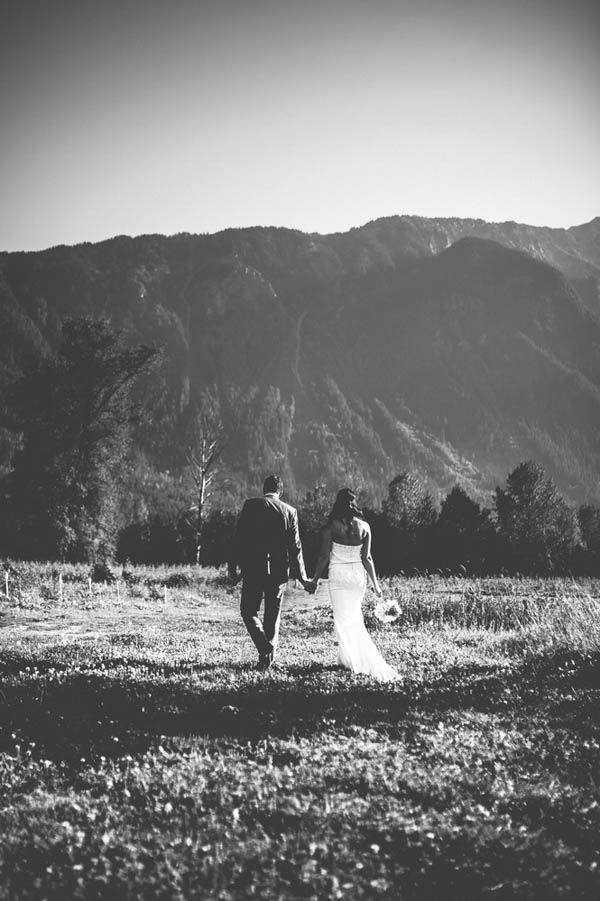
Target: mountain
point(456, 347)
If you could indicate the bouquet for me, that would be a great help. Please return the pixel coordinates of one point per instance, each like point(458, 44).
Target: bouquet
point(387, 611)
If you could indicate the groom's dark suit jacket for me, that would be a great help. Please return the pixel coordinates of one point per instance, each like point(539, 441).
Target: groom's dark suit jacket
point(267, 541)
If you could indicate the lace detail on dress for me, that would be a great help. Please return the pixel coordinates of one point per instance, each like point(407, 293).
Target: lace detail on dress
point(345, 566)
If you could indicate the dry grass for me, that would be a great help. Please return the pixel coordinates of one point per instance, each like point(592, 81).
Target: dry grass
point(143, 756)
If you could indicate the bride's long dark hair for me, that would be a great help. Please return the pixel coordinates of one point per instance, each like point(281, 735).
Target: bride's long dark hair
point(344, 507)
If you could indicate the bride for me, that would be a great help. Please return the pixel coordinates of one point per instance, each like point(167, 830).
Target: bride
point(346, 549)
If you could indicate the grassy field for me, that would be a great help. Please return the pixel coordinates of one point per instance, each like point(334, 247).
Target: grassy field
point(143, 756)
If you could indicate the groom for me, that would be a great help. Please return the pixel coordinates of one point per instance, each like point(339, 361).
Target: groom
point(268, 550)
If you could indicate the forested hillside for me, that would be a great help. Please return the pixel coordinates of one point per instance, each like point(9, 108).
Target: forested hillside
point(454, 347)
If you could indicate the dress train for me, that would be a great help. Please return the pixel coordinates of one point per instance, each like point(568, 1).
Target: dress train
point(347, 584)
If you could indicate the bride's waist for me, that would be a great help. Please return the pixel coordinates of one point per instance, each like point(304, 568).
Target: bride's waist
point(345, 553)
point(353, 568)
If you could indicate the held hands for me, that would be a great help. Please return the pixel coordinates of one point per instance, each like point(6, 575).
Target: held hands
point(310, 585)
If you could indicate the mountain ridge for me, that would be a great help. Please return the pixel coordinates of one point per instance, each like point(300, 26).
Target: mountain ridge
point(458, 347)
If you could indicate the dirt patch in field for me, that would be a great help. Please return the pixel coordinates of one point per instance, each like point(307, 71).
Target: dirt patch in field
point(105, 614)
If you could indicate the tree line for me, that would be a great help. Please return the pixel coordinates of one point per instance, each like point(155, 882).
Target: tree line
point(71, 493)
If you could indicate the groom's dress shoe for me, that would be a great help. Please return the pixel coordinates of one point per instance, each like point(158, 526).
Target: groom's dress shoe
point(265, 661)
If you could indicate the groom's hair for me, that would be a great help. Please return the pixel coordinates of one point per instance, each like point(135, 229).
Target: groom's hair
point(272, 484)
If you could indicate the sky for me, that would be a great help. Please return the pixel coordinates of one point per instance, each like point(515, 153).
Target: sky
point(165, 116)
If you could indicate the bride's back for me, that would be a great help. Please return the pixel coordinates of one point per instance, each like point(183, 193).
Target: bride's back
point(349, 533)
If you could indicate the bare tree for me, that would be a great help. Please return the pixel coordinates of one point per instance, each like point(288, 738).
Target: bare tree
point(205, 443)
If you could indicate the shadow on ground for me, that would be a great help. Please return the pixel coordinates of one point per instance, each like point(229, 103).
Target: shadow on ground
point(74, 715)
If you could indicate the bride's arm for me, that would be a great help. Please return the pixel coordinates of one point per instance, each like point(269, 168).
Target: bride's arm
point(324, 553)
point(367, 561)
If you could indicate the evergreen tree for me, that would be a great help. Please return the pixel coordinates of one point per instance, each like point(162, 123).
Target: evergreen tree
point(463, 534)
point(589, 524)
point(410, 515)
point(74, 412)
point(539, 529)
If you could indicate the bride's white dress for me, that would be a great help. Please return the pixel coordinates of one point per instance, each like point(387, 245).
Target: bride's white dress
point(347, 585)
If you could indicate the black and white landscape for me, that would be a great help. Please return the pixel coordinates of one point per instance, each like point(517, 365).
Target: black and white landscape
point(354, 244)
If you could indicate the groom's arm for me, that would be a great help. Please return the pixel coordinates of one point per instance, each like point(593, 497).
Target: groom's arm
point(295, 555)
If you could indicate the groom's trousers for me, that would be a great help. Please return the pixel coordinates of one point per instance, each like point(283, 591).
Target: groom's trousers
point(254, 588)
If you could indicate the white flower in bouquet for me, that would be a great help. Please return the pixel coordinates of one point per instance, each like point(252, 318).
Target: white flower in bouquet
point(387, 611)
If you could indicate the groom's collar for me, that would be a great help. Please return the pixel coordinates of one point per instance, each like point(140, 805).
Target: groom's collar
point(271, 494)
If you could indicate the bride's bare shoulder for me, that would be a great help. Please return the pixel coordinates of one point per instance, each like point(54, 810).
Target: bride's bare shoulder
point(363, 527)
